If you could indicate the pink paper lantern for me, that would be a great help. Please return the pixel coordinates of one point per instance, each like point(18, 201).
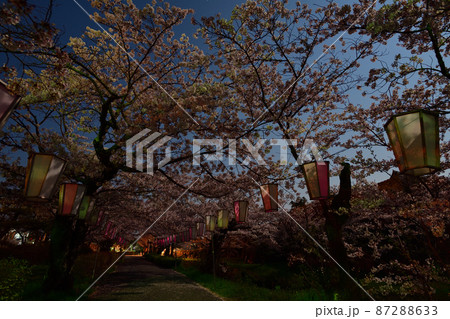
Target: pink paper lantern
point(241, 211)
point(269, 194)
point(317, 177)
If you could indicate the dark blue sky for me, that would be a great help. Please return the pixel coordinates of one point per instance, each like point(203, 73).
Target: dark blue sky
point(74, 20)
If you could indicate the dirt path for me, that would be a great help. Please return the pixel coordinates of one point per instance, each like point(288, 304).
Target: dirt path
point(137, 279)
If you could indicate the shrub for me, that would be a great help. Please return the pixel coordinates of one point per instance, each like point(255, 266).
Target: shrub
point(13, 277)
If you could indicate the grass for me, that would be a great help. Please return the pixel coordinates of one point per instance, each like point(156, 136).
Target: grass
point(34, 287)
point(239, 291)
point(247, 282)
point(82, 274)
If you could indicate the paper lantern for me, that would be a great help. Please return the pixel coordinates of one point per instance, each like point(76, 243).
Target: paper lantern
point(210, 223)
point(86, 207)
point(241, 211)
point(100, 218)
point(8, 101)
point(43, 172)
point(114, 233)
point(92, 217)
point(193, 233)
point(108, 228)
point(414, 137)
point(317, 176)
point(200, 229)
point(222, 219)
point(269, 193)
point(70, 198)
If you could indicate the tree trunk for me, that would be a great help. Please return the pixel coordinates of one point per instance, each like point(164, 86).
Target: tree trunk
point(65, 246)
point(333, 229)
point(335, 218)
point(59, 272)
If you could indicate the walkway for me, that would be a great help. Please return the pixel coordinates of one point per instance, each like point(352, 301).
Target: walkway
point(137, 279)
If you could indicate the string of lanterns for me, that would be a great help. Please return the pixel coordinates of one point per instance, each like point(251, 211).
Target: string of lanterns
point(414, 138)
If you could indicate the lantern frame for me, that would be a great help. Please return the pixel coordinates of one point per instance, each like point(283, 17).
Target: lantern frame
point(241, 206)
point(70, 198)
point(405, 156)
point(270, 202)
point(42, 188)
point(9, 106)
point(222, 218)
point(315, 184)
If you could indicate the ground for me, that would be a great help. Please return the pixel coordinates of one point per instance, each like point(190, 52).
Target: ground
point(135, 278)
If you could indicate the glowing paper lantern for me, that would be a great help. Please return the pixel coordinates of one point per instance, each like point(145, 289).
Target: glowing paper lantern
point(43, 172)
point(86, 207)
point(317, 176)
point(269, 193)
point(222, 219)
point(210, 223)
point(241, 211)
point(414, 137)
point(70, 198)
point(8, 102)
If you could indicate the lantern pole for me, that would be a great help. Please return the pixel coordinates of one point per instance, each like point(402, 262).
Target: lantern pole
point(214, 259)
point(95, 261)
